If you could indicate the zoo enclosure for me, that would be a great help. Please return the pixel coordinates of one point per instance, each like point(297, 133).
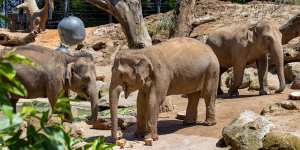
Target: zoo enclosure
point(91, 15)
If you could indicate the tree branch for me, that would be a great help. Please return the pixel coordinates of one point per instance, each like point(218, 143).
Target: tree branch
point(8, 40)
point(102, 4)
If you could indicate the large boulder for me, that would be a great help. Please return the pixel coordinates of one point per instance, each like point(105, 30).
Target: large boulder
point(292, 71)
point(250, 80)
point(247, 131)
point(281, 141)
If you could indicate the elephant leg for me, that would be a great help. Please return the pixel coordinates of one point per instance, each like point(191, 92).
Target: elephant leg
point(156, 97)
point(192, 108)
point(141, 114)
point(220, 91)
point(238, 73)
point(262, 69)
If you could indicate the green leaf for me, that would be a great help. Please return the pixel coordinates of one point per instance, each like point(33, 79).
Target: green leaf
point(7, 111)
point(28, 111)
point(14, 87)
point(44, 119)
point(7, 70)
point(17, 58)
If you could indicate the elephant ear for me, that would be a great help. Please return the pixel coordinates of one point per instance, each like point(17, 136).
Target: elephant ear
point(68, 74)
point(143, 69)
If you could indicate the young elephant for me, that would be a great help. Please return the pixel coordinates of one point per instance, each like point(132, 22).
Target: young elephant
point(177, 66)
point(54, 72)
point(239, 45)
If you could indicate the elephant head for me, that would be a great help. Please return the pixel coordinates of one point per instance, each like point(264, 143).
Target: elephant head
point(270, 38)
point(80, 77)
point(131, 71)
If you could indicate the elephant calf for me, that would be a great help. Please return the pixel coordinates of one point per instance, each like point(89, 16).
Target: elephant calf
point(54, 72)
point(177, 66)
point(239, 45)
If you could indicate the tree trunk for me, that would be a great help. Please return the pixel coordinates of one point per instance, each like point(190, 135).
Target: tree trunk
point(183, 18)
point(8, 40)
point(37, 17)
point(129, 14)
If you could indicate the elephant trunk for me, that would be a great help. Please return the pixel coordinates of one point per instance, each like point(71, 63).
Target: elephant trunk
point(114, 93)
point(277, 56)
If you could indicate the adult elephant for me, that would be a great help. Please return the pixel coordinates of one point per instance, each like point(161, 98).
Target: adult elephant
point(55, 72)
point(177, 66)
point(239, 45)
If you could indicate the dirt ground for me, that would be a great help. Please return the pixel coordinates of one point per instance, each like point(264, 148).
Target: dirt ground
point(172, 133)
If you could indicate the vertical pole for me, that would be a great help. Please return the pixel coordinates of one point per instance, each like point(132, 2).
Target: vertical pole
point(5, 11)
point(66, 11)
point(158, 4)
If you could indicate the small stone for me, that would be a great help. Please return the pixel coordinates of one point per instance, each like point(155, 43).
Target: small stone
point(181, 115)
point(121, 143)
point(294, 96)
point(148, 142)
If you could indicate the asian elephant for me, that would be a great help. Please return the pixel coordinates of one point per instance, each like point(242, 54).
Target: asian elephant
point(177, 66)
point(54, 72)
point(239, 45)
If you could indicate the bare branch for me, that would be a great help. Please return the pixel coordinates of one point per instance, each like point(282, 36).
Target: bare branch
point(102, 4)
point(203, 20)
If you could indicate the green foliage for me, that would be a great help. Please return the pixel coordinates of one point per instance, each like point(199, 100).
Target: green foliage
point(240, 1)
point(18, 132)
point(9, 83)
point(166, 23)
point(52, 137)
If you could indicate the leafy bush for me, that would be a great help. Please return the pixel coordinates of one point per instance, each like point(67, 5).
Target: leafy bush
point(17, 130)
point(166, 23)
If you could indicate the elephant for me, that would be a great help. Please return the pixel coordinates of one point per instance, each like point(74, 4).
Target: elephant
point(54, 72)
point(239, 45)
point(177, 66)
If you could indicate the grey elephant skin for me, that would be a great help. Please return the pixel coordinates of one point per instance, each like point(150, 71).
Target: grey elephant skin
point(177, 66)
point(242, 44)
point(55, 72)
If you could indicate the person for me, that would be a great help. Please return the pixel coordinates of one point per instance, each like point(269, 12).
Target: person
point(71, 32)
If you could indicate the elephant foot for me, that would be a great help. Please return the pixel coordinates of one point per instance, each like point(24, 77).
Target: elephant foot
point(208, 123)
point(263, 92)
point(189, 123)
point(153, 136)
point(233, 93)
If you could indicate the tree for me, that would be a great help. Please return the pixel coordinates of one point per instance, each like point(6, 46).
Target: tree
point(129, 15)
point(183, 17)
point(37, 17)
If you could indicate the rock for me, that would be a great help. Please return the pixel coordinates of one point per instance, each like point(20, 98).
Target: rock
point(123, 103)
point(148, 142)
point(98, 46)
point(250, 80)
point(180, 115)
point(167, 105)
point(75, 129)
point(281, 141)
point(279, 107)
point(291, 71)
point(294, 96)
point(121, 143)
point(296, 83)
point(247, 131)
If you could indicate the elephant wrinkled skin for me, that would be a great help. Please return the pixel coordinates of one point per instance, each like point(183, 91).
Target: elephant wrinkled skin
point(55, 72)
point(239, 45)
point(177, 66)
